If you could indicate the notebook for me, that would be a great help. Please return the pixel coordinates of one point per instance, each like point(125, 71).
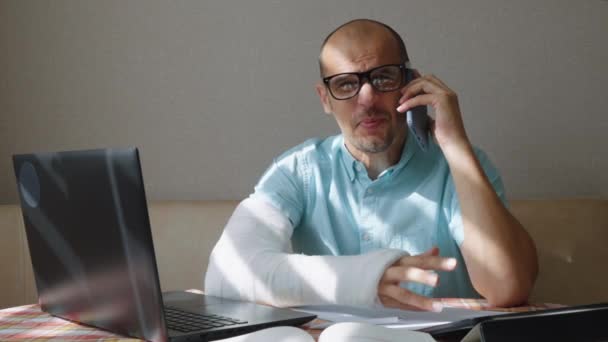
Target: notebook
point(90, 242)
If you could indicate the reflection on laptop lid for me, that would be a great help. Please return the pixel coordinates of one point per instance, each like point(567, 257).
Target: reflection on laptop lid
point(90, 242)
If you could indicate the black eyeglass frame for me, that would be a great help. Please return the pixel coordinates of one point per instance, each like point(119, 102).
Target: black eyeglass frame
point(363, 76)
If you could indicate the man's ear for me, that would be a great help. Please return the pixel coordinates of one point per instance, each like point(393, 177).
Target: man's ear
point(324, 97)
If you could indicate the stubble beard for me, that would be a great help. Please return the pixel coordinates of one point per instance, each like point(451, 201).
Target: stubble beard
point(373, 144)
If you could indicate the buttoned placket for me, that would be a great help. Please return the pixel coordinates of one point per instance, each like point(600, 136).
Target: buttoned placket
point(369, 203)
point(368, 210)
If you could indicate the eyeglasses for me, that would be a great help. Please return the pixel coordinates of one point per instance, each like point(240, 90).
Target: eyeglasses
point(384, 78)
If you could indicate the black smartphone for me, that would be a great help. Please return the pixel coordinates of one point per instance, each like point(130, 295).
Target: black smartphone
point(417, 118)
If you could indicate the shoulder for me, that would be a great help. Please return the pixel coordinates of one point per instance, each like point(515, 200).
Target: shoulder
point(311, 151)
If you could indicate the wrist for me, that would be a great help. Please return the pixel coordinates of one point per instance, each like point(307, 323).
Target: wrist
point(457, 149)
point(463, 163)
point(461, 158)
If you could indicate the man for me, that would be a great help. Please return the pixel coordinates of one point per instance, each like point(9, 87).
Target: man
point(371, 217)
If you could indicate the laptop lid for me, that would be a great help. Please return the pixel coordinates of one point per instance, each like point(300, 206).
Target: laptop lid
point(90, 242)
point(89, 237)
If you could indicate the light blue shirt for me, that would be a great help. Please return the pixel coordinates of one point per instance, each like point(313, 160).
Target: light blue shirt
point(336, 209)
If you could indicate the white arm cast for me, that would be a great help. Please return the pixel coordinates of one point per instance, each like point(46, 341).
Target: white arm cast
point(252, 261)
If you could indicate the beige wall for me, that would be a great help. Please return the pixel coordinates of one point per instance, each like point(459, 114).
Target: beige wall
point(211, 91)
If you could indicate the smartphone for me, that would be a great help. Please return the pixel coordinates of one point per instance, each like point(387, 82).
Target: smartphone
point(417, 118)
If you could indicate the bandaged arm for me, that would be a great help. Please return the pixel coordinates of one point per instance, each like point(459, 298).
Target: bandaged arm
point(252, 261)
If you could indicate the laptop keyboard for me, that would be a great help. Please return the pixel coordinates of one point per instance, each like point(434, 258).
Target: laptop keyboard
point(184, 321)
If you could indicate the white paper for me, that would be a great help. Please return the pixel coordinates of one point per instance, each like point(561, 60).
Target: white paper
point(390, 318)
point(363, 332)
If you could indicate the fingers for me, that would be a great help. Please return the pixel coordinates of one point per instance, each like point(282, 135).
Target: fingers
point(420, 86)
point(389, 302)
point(438, 81)
point(428, 78)
point(428, 262)
point(428, 84)
point(397, 274)
point(418, 269)
point(396, 296)
point(420, 100)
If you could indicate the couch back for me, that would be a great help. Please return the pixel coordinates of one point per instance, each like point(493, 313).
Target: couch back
point(571, 237)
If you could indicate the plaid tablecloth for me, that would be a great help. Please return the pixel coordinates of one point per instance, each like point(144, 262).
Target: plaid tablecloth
point(29, 323)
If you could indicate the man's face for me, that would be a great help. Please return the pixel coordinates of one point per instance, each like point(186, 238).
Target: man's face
point(369, 121)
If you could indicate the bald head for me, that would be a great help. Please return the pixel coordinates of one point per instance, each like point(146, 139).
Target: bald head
point(356, 34)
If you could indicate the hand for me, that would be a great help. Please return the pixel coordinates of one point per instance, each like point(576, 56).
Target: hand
point(418, 268)
point(447, 127)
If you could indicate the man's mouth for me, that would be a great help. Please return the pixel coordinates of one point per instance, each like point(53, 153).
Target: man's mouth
point(371, 123)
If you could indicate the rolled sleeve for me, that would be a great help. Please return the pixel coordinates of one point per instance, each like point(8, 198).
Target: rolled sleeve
point(283, 186)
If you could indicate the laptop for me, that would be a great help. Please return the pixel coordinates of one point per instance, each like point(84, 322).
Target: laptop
point(89, 237)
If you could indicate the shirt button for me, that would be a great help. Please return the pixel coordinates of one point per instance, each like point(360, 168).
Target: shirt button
point(366, 237)
point(369, 191)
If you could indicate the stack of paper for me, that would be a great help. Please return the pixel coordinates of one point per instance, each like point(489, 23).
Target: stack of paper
point(391, 318)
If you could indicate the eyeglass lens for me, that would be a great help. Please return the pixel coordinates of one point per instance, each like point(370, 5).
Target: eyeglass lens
point(383, 79)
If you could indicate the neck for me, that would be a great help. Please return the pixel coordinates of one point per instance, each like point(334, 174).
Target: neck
point(376, 163)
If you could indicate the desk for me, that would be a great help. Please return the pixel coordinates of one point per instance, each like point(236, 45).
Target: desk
point(29, 323)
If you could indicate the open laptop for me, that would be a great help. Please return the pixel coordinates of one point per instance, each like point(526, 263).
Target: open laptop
point(90, 242)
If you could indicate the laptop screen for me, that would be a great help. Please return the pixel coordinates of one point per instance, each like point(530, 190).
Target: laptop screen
point(89, 237)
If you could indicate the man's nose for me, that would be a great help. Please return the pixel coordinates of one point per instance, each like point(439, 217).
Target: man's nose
point(367, 95)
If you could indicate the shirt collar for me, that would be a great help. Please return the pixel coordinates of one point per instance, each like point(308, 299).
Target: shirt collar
point(409, 150)
point(353, 166)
